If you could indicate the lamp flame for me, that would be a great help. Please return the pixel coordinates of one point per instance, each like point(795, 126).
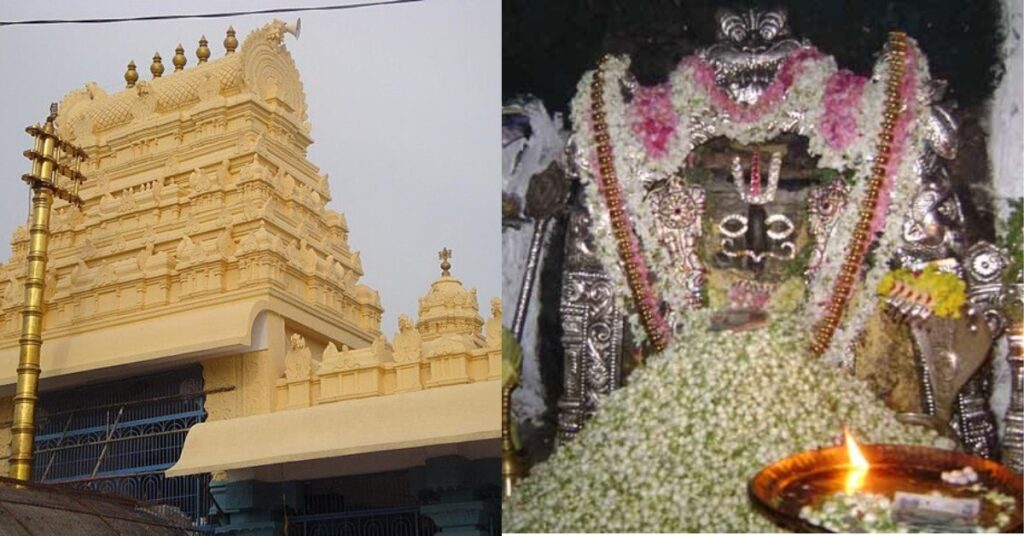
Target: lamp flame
point(858, 463)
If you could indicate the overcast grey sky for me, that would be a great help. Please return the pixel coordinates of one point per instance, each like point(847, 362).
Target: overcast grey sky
point(404, 101)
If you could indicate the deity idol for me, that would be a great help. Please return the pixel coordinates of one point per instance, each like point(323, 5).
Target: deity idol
point(772, 228)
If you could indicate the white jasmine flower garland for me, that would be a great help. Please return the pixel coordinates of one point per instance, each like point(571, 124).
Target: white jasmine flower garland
point(673, 450)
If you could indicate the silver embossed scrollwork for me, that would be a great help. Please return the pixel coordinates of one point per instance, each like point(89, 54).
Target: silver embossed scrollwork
point(824, 205)
point(933, 231)
point(1012, 448)
point(679, 209)
point(592, 326)
point(983, 265)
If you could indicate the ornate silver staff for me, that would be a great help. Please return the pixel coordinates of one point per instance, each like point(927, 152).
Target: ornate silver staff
point(545, 195)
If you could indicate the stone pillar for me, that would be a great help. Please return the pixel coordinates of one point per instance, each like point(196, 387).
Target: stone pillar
point(255, 508)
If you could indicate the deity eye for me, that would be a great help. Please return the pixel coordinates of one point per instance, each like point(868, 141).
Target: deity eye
point(733, 26)
point(779, 227)
point(733, 226)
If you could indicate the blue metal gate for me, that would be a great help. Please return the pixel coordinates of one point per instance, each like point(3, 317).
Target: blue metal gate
point(119, 437)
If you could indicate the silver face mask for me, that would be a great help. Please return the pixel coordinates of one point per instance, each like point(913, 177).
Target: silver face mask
point(749, 50)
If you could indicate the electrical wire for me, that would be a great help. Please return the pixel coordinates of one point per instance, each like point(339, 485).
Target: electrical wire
point(203, 15)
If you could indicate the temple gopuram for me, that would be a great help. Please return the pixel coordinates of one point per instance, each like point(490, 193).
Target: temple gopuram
point(208, 346)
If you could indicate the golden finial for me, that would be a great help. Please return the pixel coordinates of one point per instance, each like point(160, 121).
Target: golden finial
point(444, 255)
point(179, 60)
point(203, 52)
point(131, 75)
point(230, 42)
point(158, 67)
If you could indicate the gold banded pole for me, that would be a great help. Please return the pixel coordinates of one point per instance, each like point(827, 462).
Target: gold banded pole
point(510, 473)
point(50, 157)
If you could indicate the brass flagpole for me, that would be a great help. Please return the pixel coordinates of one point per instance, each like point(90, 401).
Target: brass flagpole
point(50, 158)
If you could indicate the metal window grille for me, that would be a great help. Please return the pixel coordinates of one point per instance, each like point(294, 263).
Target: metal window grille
point(370, 504)
point(119, 437)
point(373, 504)
point(401, 521)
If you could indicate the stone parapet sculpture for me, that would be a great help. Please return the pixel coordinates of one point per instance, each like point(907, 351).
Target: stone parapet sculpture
point(454, 351)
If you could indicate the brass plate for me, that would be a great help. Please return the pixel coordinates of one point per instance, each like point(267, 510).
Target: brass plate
point(780, 490)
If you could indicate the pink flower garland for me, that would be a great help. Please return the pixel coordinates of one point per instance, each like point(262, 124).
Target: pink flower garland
point(842, 97)
point(791, 68)
point(653, 119)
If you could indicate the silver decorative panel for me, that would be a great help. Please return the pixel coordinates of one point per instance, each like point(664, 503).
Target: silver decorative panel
point(592, 340)
point(592, 325)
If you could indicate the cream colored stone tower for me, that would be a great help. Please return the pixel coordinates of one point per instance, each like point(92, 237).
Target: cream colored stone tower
point(204, 231)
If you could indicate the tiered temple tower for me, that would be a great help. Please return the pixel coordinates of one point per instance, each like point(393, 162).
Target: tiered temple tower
point(202, 220)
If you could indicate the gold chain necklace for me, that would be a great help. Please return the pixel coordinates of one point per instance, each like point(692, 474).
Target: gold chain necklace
point(860, 241)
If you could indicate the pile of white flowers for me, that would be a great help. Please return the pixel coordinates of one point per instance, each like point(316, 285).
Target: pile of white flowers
point(673, 450)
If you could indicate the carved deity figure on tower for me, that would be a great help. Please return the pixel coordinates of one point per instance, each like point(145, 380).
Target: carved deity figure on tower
point(198, 181)
point(493, 326)
point(407, 341)
point(298, 360)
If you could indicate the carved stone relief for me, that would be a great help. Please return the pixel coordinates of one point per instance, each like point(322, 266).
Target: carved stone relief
point(493, 326)
point(407, 341)
point(298, 360)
